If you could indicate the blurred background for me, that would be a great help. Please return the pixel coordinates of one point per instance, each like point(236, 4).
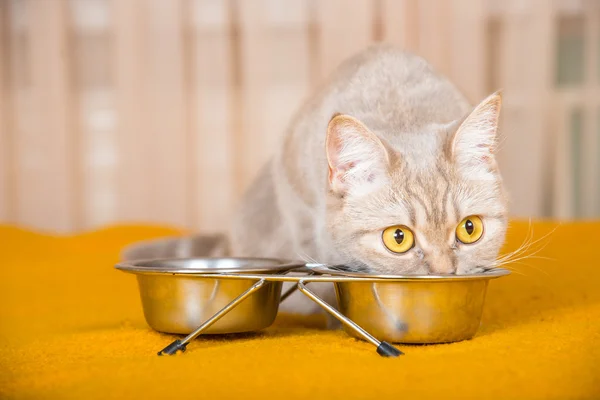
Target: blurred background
point(162, 111)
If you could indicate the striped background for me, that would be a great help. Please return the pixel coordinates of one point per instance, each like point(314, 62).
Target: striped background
point(163, 110)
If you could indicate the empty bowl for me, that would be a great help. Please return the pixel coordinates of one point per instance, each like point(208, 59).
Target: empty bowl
point(176, 299)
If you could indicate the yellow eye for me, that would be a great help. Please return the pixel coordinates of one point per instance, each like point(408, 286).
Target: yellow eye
point(398, 239)
point(470, 229)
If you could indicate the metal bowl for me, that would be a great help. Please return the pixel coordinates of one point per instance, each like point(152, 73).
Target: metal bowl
point(413, 309)
point(176, 301)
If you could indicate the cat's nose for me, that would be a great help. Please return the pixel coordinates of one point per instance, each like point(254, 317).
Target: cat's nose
point(440, 263)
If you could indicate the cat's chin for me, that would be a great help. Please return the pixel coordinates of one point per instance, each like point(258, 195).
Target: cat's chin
point(358, 267)
point(418, 271)
point(375, 270)
point(472, 271)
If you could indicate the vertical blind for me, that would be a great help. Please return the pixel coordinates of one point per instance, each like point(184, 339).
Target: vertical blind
point(163, 111)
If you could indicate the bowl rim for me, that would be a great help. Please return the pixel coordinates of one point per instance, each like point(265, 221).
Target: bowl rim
point(491, 274)
point(280, 265)
point(320, 272)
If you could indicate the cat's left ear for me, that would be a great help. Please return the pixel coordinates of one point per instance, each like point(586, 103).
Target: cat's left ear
point(358, 160)
point(473, 144)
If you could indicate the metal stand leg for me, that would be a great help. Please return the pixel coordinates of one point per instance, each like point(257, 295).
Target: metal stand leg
point(180, 345)
point(292, 289)
point(383, 348)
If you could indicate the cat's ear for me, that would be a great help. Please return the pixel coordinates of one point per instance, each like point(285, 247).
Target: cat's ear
point(473, 144)
point(358, 160)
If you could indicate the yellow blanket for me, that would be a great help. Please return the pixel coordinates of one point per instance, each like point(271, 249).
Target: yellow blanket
point(71, 326)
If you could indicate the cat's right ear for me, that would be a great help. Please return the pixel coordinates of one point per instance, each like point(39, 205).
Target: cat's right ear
point(473, 145)
point(358, 160)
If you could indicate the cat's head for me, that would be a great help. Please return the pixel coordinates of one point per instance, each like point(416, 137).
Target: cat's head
point(432, 203)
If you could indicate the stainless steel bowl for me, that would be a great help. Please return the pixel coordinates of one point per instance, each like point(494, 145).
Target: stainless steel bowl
point(176, 301)
point(413, 309)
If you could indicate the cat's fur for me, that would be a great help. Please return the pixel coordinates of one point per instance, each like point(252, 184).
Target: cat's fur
point(387, 141)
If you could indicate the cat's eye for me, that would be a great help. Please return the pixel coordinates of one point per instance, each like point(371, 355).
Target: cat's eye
point(398, 239)
point(469, 230)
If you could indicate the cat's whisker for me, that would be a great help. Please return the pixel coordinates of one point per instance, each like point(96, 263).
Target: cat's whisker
point(523, 257)
point(500, 142)
point(518, 260)
point(516, 271)
point(306, 258)
point(522, 247)
point(527, 265)
point(541, 270)
point(542, 257)
point(528, 244)
point(529, 256)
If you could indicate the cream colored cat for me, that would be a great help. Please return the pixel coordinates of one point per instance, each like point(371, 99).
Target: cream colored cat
point(387, 169)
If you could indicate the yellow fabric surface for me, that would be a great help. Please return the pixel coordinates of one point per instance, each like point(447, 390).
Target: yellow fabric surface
point(71, 327)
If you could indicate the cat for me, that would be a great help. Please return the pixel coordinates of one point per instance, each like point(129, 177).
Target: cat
point(387, 169)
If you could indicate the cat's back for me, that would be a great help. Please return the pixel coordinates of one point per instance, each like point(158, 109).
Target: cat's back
point(391, 89)
point(396, 94)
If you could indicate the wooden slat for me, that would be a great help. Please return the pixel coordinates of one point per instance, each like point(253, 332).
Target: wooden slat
point(527, 35)
point(542, 56)
point(17, 99)
point(401, 23)
point(419, 27)
point(166, 89)
point(435, 33)
point(5, 116)
point(212, 115)
point(134, 180)
point(591, 135)
point(563, 204)
point(468, 56)
point(152, 123)
point(254, 60)
point(289, 81)
point(44, 149)
point(98, 147)
point(204, 89)
point(344, 31)
point(95, 112)
point(275, 76)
